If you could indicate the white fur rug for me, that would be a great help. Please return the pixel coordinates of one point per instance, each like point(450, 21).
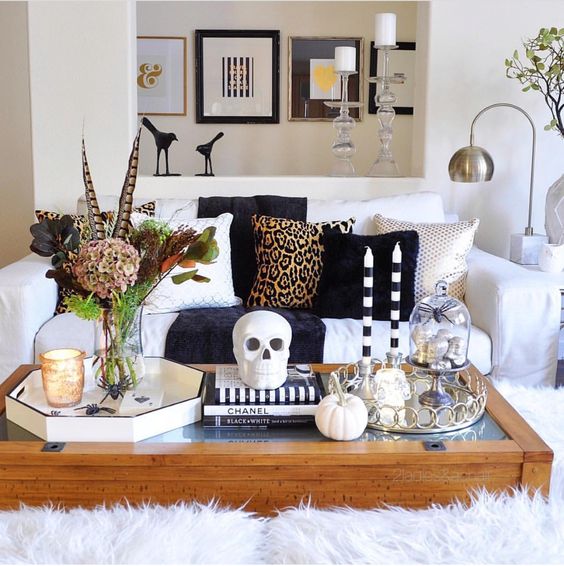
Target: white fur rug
point(512, 529)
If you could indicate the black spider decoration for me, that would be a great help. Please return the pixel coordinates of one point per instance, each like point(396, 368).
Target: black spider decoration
point(94, 409)
point(114, 390)
point(439, 312)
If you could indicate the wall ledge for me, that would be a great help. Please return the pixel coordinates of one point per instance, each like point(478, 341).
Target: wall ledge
point(351, 188)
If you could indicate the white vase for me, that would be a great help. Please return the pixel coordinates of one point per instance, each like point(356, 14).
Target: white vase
point(554, 212)
point(551, 258)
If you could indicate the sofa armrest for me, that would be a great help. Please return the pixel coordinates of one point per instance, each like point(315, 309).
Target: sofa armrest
point(27, 300)
point(520, 311)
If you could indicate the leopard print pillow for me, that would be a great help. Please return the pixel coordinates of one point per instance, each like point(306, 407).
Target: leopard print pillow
point(81, 224)
point(289, 260)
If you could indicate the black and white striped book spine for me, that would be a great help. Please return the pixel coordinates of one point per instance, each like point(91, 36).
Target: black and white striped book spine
point(395, 300)
point(367, 299)
point(300, 387)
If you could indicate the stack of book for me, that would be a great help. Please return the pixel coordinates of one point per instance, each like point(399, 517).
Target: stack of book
point(228, 402)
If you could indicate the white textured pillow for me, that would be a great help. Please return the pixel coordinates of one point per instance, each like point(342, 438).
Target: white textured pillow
point(169, 297)
point(443, 248)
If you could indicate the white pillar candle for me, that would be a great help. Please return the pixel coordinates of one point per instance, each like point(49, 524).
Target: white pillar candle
point(384, 29)
point(345, 59)
point(368, 283)
point(395, 300)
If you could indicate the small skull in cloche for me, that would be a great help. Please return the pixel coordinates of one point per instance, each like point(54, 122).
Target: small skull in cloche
point(261, 344)
point(439, 328)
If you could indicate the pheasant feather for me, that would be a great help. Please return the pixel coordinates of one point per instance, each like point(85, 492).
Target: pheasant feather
point(95, 220)
point(126, 198)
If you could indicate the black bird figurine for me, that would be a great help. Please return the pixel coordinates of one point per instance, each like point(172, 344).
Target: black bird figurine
point(205, 149)
point(163, 141)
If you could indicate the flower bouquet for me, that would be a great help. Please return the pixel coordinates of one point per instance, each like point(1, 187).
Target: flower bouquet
point(112, 270)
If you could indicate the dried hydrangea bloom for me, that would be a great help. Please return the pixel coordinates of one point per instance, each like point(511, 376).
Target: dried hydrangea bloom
point(105, 266)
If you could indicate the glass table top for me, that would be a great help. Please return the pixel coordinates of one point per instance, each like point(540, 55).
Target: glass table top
point(485, 429)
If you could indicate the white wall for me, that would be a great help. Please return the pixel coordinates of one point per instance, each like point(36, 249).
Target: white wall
point(80, 61)
point(468, 43)
point(288, 148)
point(16, 175)
point(81, 71)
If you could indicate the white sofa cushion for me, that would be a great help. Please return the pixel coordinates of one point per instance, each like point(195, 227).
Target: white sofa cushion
point(343, 338)
point(343, 342)
point(170, 297)
point(424, 206)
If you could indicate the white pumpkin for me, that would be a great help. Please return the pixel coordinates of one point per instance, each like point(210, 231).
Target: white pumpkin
point(340, 415)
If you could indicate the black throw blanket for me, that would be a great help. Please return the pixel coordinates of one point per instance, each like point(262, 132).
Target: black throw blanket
point(243, 259)
point(204, 336)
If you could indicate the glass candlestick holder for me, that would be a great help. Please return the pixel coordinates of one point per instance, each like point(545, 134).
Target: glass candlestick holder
point(385, 164)
point(343, 147)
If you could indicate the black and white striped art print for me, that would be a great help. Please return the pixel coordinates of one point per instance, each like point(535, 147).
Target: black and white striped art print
point(238, 77)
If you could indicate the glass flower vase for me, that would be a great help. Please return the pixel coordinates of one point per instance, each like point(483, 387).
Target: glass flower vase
point(118, 353)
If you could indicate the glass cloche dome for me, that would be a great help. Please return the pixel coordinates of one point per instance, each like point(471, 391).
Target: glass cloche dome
point(439, 329)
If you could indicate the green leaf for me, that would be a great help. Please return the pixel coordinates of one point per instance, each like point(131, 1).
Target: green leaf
point(527, 88)
point(516, 54)
point(561, 31)
point(507, 63)
point(529, 53)
point(547, 128)
point(540, 66)
point(182, 277)
point(208, 234)
point(553, 31)
point(535, 87)
point(201, 279)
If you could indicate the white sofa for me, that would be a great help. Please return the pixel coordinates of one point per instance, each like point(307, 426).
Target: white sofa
point(515, 312)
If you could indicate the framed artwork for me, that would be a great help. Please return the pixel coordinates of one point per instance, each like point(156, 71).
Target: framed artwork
point(402, 60)
point(161, 75)
point(238, 76)
point(312, 78)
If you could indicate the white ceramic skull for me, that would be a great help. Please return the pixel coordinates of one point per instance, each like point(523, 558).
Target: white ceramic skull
point(261, 344)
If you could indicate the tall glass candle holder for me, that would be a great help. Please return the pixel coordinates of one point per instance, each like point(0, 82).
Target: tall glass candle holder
point(62, 373)
point(385, 164)
point(343, 147)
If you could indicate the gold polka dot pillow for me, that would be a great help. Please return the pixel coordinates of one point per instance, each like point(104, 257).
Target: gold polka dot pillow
point(289, 260)
point(443, 248)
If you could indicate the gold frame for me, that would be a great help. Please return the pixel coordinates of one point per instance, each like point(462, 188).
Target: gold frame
point(185, 81)
point(360, 75)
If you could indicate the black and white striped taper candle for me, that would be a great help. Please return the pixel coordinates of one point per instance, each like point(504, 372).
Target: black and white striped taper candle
point(368, 283)
point(396, 299)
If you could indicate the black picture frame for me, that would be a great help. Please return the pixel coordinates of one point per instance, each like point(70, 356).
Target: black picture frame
point(303, 106)
point(402, 46)
point(214, 102)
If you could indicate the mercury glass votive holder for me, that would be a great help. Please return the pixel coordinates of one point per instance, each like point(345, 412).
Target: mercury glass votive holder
point(62, 372)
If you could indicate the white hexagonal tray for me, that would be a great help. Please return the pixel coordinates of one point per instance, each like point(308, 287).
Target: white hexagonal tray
point(179, 386)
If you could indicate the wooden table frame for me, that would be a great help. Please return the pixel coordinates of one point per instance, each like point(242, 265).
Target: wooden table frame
point(269, 476)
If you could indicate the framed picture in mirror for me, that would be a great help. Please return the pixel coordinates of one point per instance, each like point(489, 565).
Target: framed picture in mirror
point(312, 79)
point(402, 60)
point(237, 76)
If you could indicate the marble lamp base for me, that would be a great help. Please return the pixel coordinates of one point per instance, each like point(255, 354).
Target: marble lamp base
point(525, 249)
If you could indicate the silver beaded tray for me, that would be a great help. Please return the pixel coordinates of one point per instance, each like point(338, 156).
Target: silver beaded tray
point(468, 391)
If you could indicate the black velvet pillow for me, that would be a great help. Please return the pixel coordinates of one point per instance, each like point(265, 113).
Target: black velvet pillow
point(243, 260)
point(340, 287)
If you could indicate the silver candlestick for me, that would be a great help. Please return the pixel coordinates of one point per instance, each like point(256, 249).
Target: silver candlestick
point(343, 147)
point(385, 164)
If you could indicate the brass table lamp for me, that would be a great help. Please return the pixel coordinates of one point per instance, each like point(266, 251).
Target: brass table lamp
point(473, 164)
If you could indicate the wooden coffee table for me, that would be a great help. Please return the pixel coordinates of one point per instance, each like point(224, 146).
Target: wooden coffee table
point(267, 470)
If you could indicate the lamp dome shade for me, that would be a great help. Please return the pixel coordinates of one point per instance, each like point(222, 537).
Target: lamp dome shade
point(471, 164)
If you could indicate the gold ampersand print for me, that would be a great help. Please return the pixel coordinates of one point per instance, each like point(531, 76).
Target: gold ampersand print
point(148, 75)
